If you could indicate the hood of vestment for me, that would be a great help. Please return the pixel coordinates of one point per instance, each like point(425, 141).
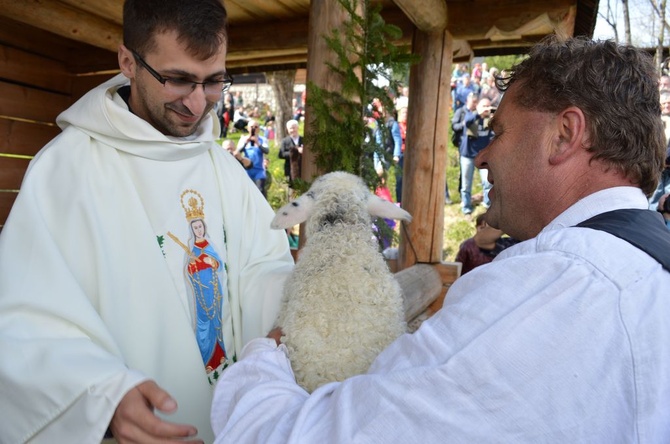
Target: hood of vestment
point(103, 114)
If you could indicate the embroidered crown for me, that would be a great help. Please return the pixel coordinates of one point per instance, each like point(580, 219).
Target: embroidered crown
point(193, 205)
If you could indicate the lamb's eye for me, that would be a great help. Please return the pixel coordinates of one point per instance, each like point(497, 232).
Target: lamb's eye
point(295, 204)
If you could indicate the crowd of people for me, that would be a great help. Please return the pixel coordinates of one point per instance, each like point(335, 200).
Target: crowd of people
point(658, 201)
point(475, 98)
point(138, 298)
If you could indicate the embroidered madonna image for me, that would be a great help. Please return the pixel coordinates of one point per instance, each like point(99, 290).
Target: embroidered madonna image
point(205, 270)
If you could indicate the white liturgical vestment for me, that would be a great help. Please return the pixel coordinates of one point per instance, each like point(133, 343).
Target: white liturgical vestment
point(128, 255)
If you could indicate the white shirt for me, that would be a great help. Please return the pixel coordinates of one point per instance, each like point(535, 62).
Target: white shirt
point(561, 339)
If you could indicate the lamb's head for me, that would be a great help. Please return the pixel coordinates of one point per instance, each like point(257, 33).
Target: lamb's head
point(336, 197)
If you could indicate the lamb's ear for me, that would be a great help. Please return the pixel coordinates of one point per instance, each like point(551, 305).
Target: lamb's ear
point(293, 213)
point(383, 208)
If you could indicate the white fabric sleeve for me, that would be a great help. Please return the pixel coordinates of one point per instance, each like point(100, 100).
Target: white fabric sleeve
point(88, 418)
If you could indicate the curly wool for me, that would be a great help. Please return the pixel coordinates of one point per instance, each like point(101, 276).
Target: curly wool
point(342, 306)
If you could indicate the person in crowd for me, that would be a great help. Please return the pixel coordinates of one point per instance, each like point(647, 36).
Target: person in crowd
point(402, 101)
point(227, 114)
point(483, 247)
point(476, 135)
point(477, 85)
point(463, 89)
point(663, 187)
point(291, 151)
point(459, 71)
point(485, 72)
point(269, 117)
point(399, 154)
point(230, 146)
point(238, 100)
point(489, 91)
point(665, 113)
point(388, 135)
point(254, 147)
point(563, 336)
point(126, 289)
point(664, 83)
point(240, 120)
point(664, 208)
point(477, 70)
point(299, 113)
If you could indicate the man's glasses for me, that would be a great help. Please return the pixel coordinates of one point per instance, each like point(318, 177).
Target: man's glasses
point(185, 87)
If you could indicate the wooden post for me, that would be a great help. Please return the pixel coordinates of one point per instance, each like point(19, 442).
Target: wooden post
point(425, 164)
point(324, 16)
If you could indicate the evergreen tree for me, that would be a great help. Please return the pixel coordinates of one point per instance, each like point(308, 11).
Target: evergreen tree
point(341, 138)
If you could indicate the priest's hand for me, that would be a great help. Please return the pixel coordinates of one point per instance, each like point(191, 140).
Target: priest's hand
point(134, 420)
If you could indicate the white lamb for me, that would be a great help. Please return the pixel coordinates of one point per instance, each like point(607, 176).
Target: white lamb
point(342, 305)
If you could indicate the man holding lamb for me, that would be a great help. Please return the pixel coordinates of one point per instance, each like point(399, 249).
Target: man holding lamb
point(563, 337)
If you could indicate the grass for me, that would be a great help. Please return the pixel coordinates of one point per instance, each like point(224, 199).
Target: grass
point(457, 227)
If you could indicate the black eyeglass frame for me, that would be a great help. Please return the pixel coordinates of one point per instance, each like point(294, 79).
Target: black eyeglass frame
point(226, 83)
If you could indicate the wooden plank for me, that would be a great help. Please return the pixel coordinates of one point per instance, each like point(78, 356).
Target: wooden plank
point(24, 138)
point(12, 171)
point(466, 24)
point(30, 69)
point(421, 285)
point(109, 9)
point(65, 21)
point(425, 164)
point(6, 201)
point(83, 84)
point(427, 15)
point(78, 57)
point(27, 103)
point(324, 16)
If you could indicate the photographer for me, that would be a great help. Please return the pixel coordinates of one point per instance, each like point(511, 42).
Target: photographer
point(476, 136)
point(230, 146)
point(254, 147)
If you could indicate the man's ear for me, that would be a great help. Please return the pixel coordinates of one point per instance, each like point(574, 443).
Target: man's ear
point(127, 62)
point(571, 136)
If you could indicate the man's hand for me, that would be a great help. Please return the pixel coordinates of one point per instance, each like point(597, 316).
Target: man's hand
point(276, 334)
point(134, 420)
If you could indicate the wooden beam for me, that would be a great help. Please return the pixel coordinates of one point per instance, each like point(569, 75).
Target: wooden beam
point(421, 285)
point(30, 69)
point(65, 21)
point(82, 21)
point(24, 138)
point(276, 35)
point(324, 15)
point(112, 10)
point(12, 171)
point(425, 161)
point(7, 199)
point(424, 286)
point(427, 15)
point(475, 20)
point(461, 50)
point(31, 104)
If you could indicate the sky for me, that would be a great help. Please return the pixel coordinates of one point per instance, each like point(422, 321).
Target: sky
point(640, 17)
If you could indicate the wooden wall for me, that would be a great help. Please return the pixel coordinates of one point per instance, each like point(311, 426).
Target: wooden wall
point(34, 89)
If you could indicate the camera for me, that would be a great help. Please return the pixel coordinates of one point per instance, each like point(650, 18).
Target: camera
point(253, 131)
